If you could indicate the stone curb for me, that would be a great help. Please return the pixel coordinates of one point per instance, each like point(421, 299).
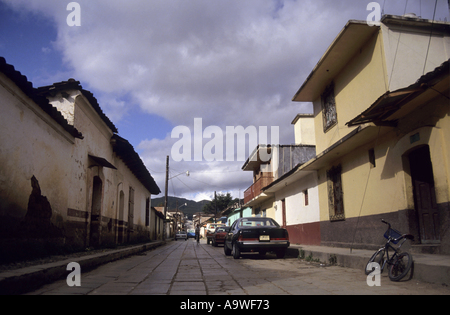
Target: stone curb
point(426, 268)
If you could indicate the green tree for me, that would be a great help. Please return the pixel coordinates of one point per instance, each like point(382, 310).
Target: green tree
point(216, 206)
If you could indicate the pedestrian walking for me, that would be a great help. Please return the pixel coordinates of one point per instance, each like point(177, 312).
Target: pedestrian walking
point(197, 233)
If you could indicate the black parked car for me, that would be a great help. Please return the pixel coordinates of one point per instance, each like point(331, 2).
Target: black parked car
point(256, 234)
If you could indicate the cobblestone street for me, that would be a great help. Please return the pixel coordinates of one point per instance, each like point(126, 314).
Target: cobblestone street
point(185, 268)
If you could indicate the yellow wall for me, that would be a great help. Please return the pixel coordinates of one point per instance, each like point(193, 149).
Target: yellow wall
point(357, 86)
point(389, 186)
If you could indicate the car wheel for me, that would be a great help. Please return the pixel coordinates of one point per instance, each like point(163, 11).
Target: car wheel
point(226, 250)
point(236, 251)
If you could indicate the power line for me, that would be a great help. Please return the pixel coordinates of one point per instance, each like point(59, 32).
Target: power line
point(431, 35)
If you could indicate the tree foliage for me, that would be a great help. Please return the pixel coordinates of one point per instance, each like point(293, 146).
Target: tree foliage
point(216, 206)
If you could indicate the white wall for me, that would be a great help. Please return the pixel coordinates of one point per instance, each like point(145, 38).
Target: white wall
point(296, 211)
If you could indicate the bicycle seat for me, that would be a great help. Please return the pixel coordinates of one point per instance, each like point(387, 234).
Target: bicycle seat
point(409, 237)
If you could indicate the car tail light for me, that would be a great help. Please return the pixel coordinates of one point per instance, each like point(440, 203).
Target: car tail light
point(284, 238)
point(242, 238)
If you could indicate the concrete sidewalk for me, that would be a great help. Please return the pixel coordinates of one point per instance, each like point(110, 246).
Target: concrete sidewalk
point(26, 279)
point(427, 268)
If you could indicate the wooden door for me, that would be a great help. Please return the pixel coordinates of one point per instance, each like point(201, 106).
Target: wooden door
point(96, 210)
point(425, 195)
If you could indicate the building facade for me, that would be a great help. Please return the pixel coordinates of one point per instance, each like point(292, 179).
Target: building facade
point(283, 193)
point(67, 178)
point(380, 98)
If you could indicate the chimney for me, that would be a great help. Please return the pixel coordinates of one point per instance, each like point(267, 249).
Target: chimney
point(304, 129)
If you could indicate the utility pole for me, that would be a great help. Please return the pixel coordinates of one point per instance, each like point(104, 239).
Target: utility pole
point(165, 198)
point(215, 205)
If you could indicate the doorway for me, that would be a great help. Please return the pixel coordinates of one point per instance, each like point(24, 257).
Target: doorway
point(120, 222)
point(424, 195)
point(96, 210)
point(283, 213)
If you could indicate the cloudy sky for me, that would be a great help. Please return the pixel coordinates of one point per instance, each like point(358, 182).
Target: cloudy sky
point(155, 65)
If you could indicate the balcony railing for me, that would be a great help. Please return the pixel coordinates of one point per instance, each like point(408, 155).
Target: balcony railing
point(256, 189)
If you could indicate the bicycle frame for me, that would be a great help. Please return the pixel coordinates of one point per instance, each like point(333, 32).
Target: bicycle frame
point(400, 267)
point(386, 247)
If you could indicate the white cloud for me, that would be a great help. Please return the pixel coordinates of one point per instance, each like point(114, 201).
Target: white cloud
point(228, 62)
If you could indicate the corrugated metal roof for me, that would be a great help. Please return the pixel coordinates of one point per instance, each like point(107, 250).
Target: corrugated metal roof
point(390, 102)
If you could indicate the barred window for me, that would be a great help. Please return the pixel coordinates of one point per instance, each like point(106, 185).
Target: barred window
point(329, 108)
point(335, 194)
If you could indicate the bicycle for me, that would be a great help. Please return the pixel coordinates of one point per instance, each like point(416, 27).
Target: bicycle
point(400, 263)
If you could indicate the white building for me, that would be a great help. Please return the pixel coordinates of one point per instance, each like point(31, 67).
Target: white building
point(66, 176)
point(295, 192)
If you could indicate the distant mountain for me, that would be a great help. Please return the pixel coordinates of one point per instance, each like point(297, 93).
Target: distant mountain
point(191, 208)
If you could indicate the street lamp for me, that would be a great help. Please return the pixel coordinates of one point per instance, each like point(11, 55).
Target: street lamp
point(176, 215)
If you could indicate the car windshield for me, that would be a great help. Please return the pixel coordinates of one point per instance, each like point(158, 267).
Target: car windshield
point(257, 222)
point(221, 229)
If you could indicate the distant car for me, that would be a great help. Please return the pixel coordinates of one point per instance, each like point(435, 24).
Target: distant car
point(191, 233)
point(219, 235)
point(256, 234)
point(210, 229)
point(181, 235)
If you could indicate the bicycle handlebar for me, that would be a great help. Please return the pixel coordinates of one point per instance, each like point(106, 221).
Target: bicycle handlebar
point(407, 236)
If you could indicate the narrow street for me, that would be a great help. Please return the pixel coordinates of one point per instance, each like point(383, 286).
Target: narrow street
point(185, 268)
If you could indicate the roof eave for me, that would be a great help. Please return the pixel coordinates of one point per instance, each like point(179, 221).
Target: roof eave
point(345, 45)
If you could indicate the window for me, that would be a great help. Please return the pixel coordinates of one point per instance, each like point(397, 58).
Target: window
point(305, 195)
point(335, 194)
point(256, 222)
point(147, 212)
point(329, 108)
point(130, 209)
point(372, 158)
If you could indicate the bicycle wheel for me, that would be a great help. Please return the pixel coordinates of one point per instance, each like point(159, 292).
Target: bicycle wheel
point(377, 257)
point(401, 266)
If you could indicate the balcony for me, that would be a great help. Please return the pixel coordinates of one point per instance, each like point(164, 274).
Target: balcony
point(255, 190)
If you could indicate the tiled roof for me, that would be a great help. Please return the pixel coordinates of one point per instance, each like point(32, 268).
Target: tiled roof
point(27, 87)
point(72, 84)
point(126, 152)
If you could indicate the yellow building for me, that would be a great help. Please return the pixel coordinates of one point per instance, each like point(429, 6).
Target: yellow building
point(382, 130)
